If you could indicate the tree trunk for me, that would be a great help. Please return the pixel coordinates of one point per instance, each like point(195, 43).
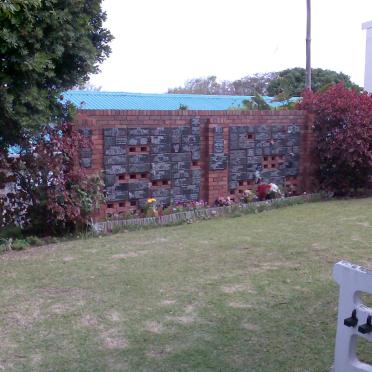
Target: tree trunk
point(308, 45)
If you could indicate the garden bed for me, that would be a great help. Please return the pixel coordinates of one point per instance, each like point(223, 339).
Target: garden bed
point(204, 213)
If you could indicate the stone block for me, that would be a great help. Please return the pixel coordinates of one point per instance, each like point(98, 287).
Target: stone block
point(85, 153)
point(109, 141)
point(264, 136)
point(116, 169)
point(262, 129)
point(134, 186)
point(137, 141)
point(115, 160)
point(161, 149)
point(114, 150)
point(110, 179)
point(277, 128)
point(160, 175)
point(160, 140)
point(160, 131)
point(180, 157)
point(238, 176)
point(180, 182)
point(161, 192)
point(139, 168)
point(181, 174)
point(119, 140)
point(165, 166)
point(138, 132)
point(160, 158)
point(122, 187)
point(217, 162)
point(86, 132)
point(138, 159)
point(86, 162)
point(138, 194)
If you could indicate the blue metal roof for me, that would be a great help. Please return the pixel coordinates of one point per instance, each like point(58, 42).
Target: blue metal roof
point(96, 100)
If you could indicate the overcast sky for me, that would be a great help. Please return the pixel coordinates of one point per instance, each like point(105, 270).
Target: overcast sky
point(160, 44)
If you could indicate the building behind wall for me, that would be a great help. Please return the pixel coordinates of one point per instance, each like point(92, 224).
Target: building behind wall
point(188, 155)
point(368, 57)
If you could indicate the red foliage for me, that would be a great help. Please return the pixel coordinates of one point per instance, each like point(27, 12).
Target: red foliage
point(343, 123)
point(52, 192)
point(262, 191)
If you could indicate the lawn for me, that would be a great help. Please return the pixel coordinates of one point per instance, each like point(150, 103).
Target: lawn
point(247, 293)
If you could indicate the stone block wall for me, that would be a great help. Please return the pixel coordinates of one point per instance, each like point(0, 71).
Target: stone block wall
point(178, 156)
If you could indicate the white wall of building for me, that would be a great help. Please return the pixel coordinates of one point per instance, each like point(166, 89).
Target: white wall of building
point(368, 66)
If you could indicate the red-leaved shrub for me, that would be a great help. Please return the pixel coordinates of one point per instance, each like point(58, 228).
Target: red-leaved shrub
point(342, 126)
point(51, 192)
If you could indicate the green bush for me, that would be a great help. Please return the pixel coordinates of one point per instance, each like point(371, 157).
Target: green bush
point(34, 240)
point(20, 244)
point(13, 232)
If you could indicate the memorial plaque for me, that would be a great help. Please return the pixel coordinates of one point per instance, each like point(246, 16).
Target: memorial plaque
point(181, 182)
point(138, 159)
point(160, 166)
point(141, 132)
point(115, 150)
point(217, 162)
point(180, 157)
point(109, 141)
point(181, 174)
point(110, 179)
point(160, 175)
point(86, 162)
point(139, 168)
point(133, 186)
point(115, 169)
point(122, 187)
point(137, 141)
point(115, 160)
point(160, 158)
point(161, 131)
point(161, 192)
point(161, 149)
point(86, 132)
point(159, 140)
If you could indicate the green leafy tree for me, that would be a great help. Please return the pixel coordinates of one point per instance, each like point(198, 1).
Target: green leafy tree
point(46, 47)
point(291, 82)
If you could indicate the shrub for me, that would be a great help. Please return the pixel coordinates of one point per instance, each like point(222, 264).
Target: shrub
point(53, 194)
point(342, 122)
point(11, 231)
point(19, 245)
point(34, 240)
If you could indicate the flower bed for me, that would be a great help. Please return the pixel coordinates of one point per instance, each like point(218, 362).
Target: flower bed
point(204, 213)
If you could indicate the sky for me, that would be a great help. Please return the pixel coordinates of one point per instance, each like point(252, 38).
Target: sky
point(161, 44)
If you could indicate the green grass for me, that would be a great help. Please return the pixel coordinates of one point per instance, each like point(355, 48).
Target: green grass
point(247, 293)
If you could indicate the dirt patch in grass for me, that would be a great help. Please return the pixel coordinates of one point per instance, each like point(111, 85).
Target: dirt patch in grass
point(233, 288)
point(68, 258)
point(239, 305)
point(154, 327)
point(124, 256)
point(159, 353)
point(250, 327)
point(61, 309)
point(115, 343)
point(168, 302)
point(89, 321)
point(29, 253)
point(113, 315)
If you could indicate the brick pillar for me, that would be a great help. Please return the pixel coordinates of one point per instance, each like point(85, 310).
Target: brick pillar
point(218, 165)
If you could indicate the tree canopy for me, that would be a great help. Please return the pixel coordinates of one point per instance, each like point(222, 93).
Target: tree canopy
point(46, 47)
point(292, 81)
point(282, 84)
